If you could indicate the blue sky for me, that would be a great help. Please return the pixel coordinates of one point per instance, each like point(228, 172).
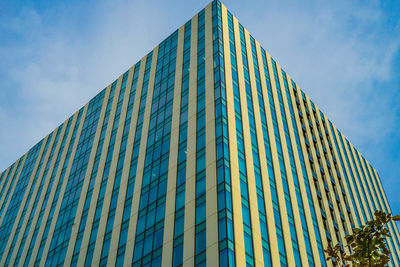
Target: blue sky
point(56, 55)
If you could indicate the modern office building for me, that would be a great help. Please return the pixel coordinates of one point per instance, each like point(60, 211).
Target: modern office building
point(203, 153)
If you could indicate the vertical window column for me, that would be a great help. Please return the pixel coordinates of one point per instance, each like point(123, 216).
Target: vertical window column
point(225, 221)
point(248, 240)
point(289, 209)
point(358, 170)
point(353, 181)
point(291, 158)
point(150, 222)
point(106, 171)
point(271, 173)
point(133, 163)
point(4, 174)
point(306, 183)
point(200, 217)
point(115, 171)
point(259, 184)
point(177, 256)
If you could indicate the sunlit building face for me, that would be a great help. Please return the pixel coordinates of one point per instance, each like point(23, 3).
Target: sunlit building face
point(204, 153)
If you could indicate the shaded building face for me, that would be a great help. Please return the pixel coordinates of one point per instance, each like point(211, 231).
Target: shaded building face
point(203, 153)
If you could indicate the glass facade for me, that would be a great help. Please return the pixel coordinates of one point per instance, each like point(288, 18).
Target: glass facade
point(182, 153)
point(226, 241)
point(204, 153)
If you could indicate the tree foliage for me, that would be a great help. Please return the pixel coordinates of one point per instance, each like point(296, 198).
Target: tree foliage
point(367, 244)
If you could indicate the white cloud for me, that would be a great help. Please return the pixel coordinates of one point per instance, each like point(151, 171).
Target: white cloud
point(51, 72)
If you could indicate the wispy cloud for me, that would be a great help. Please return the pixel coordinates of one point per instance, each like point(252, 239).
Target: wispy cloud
point(52, 65)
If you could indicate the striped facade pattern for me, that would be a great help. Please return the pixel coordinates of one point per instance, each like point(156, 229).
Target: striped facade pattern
point(203, 153)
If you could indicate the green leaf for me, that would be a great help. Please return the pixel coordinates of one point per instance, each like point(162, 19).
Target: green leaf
point(396, 218)
point(367, 243)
